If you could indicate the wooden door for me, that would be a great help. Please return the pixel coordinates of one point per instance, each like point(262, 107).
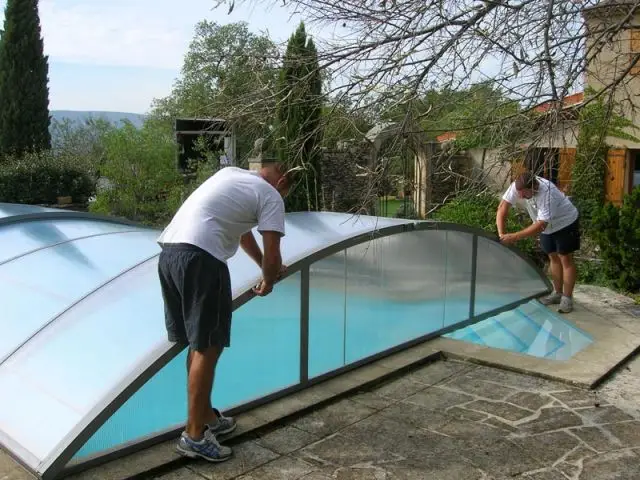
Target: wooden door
point(565, 168)
point(614, 176)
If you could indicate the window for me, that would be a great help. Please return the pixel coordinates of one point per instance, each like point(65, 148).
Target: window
point(635, 49)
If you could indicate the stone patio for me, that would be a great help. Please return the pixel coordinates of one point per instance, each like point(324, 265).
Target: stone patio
point(449, 420)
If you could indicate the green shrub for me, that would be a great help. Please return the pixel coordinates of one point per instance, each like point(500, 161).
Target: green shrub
point(141, 166)
point(617, 233)
point(479, 210)
point(39, 178)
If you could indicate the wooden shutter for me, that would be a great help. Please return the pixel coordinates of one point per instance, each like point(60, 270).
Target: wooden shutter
point(634, 49)
point(614, 176)
point(565, 168)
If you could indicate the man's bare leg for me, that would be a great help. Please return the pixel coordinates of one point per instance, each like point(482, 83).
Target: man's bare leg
point(201, 369)
point(211, 414)
point(569, 274)
point(557, 277)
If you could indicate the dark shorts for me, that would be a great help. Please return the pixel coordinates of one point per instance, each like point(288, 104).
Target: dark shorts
point(563, 241)
point(196, 289)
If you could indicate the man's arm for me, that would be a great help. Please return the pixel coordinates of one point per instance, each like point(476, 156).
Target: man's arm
point(501, 217)
point(271, 262)
point(250, 246)
point(532, 230)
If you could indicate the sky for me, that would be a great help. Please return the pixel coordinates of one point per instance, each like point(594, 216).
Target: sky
point(118, 55)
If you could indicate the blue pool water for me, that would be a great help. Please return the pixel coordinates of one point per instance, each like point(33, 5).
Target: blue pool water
point(532, 329)
point(265, 348)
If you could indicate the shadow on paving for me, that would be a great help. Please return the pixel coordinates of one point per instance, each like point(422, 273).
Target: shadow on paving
point(449, 420)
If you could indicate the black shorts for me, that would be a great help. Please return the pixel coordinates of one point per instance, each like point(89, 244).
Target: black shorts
point(563, 241)
point(196, 289)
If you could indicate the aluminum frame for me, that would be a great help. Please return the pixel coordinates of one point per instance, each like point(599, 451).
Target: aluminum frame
point(57, 464)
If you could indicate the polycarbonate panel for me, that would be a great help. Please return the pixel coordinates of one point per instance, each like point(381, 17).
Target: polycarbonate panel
point(89, 352)
point(503, 277)
point(395, 291)
point(41, 285)
point(264, 357)
point(24, 237)
point(458, 277)
point(307, 233)
point(14, 209)
point(327, 326)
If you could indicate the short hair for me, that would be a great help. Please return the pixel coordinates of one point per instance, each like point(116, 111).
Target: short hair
point(526, 180)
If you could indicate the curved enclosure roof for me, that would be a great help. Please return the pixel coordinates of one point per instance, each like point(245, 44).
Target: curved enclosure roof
point(85, 366)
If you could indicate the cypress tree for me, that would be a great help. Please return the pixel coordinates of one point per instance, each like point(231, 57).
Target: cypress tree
point(298, 119)
point(24, 91)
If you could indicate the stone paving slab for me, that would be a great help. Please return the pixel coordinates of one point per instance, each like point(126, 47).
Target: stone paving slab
point(519, 427)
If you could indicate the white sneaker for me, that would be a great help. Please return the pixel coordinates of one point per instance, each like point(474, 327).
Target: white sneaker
point(566, 305)
point(552, 299)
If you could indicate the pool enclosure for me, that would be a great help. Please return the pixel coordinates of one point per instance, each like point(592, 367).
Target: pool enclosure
point(86, 372)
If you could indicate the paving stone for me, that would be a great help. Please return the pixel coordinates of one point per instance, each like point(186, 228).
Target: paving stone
point(440, 371)
point(450, 466)
point(470, 434)
point(514, 380)
point(286, 439)
point(283, 468)
point(603, 415)
point(399, 389)
point(628, 433)
point(597, 438)
point(246, 457)
point(372, 400)
point(180, 474)
point(504, 427)
point(577, 398)
point(579, 454)
point(389, 434)
point(569, 470)
point(554, 418)
point(317, 476)
point(615, 465)
point(435, 398)
point(340, 450)
point(503, 410)
point(332, 418)
point(480, 388)
point(502, 459)
point(548, 447)
point(529, 400)
point(460, 413)
point(415, 415)
point(546, 474)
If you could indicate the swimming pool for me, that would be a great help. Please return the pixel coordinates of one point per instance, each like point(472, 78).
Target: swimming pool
point(342, 330)
point(532, 329)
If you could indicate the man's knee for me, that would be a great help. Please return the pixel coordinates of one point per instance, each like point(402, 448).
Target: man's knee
point(554, 258)
point(566, 260)
point(207, 355)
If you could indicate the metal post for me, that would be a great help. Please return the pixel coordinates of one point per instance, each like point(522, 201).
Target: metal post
point(474, 268)
point(304, 324)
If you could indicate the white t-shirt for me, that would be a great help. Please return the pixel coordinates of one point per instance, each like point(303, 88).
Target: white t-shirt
point(548, 204)
point(222, 209)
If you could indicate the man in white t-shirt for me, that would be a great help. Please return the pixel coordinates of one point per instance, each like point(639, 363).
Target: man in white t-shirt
point(206, 231)
point(556, 220)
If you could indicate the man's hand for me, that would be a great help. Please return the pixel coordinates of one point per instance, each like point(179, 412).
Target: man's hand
point(508, 238)
point(262, 289)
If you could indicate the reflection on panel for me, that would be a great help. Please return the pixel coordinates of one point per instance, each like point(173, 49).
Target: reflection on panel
point(39, 286)
point(20, 238)
point(458, 277)
point(13, 209)
point(395, 291)
point(503, 277)
point(326, 314)
point(264, 357)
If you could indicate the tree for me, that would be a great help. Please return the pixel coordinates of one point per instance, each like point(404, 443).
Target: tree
point(228, 72)
point(24, 91)
point(298, 118)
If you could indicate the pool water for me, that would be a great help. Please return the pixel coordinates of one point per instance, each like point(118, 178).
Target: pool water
point(532, 329)
point(264, 356)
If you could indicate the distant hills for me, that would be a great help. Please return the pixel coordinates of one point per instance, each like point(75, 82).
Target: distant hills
point(77, 116)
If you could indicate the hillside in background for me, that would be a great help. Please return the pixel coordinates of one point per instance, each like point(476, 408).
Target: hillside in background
point(80, 117)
